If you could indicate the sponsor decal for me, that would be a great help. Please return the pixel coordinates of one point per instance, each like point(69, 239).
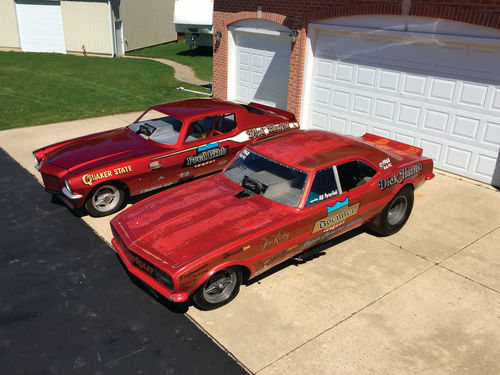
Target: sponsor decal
point(274, 240)
point(269, 129)
point(195, 272)
point(385, 164)
point(88, 179)
point(139, 263)
point(208, 146)
point(336, 216)
point(401, 176)
point(229, 254)
point(203, 156)
point(264, 264)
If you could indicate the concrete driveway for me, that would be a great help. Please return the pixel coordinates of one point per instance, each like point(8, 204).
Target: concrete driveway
point(426, 300)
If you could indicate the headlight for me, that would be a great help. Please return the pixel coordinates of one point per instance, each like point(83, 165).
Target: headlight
point(68, 186)
point(36, 159)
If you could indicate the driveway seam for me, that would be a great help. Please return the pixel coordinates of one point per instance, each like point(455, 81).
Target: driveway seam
point(466, 246)
point(348, 317)
point(468, 278)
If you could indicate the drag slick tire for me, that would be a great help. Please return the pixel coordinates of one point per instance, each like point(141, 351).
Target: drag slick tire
point(219, 289)
point(395, 214)
point(105, 200)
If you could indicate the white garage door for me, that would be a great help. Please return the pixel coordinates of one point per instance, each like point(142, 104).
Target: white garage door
point(40, 26)
point(442, 96)
point(262, 66)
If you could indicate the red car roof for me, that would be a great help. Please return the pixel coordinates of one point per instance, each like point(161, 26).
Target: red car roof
point(188, 108)
point(313, 149)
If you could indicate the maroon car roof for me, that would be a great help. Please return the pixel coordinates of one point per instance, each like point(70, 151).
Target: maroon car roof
point(313, 149)
point(188, 108)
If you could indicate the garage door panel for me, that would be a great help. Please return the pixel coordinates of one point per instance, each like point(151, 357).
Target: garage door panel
point(265, 60)
point(426, 94)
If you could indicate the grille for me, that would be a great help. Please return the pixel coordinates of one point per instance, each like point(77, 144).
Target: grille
point(148, 268)
point(51, 182)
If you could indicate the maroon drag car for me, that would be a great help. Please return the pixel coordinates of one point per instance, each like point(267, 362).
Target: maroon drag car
point(275, 200)
point(167, 144)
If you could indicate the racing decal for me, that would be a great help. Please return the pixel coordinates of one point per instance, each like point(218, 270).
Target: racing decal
point(88, 179)
point(272, 260)
point(269, 129)
point(385, 164)
point(203, 155)
point(336, 216)
point(194, 272)
point(229, 254)
point(274, 240)
point(401, 176)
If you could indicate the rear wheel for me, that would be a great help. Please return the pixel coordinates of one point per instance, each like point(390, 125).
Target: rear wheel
point(219, 289)
point(395, 214)
point(105, 200)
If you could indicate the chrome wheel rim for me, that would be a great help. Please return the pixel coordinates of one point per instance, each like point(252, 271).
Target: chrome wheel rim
point(220, 286)
point(106, 198)
point(397, 210)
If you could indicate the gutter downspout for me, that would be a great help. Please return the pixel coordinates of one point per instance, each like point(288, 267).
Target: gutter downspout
point(111, 30)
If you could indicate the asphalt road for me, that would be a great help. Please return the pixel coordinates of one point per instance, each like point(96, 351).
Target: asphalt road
point(67, 305)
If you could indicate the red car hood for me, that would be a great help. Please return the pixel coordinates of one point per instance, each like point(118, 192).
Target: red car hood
point(101, 148)
point(193, 219)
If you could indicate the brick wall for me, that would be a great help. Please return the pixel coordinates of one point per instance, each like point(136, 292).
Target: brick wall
point(297, 14)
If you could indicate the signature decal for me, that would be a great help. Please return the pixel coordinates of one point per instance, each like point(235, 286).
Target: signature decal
point(336, 216)
point(274, 240)
point(401, 176)
point(269, 129)
point(88, 179)
point(205, 156)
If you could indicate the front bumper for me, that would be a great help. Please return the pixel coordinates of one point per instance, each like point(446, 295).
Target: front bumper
point(148, 280)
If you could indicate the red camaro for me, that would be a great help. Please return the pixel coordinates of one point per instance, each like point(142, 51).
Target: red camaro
point(168, 143)
point(275, 200)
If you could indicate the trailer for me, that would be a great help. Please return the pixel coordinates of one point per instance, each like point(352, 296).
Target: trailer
point(194, 18)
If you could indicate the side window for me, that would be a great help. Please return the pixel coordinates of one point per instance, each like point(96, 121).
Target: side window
point(353, 174)
point(200, 129)
point(225, 123)
point(323, 187)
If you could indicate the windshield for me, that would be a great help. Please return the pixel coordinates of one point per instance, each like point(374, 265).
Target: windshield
point(158, 127)
point(269, 178)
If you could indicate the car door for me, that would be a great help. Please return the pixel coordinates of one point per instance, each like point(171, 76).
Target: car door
point(338, 201)
point(208, 144)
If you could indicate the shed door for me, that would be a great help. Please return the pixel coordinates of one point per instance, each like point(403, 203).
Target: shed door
point(442, 96)
point(40, 26)
point(262, 66)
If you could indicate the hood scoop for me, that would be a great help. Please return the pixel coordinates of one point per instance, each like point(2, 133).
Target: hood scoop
point(251, 186)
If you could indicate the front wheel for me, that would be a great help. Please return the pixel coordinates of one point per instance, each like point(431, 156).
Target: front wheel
point(105, 200)
point(395, 214)
point(219, 289)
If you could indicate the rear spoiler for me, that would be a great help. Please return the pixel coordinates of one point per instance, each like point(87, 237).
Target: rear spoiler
point(395, 147)
point(290, 116)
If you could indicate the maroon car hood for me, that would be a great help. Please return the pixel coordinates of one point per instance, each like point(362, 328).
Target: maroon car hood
point(98, 149)
point(193, 219)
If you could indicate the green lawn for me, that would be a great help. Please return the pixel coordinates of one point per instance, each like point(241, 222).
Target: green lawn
point(200, 58)
point(41, 88)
